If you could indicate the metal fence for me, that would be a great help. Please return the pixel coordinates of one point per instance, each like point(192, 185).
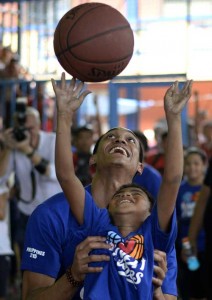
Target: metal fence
point(36, 94)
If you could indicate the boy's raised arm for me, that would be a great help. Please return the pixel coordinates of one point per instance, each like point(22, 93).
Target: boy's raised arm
point(69, 97)
point(174, 102)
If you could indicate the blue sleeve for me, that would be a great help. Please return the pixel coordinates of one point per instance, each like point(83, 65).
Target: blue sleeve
point(95, 219)
point(163, 241)
point(43, 242)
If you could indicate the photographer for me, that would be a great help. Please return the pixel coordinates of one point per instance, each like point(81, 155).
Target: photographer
point(29, 152)
point(83, 141)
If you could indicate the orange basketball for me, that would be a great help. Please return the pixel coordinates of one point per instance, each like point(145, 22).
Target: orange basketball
point(93, 42)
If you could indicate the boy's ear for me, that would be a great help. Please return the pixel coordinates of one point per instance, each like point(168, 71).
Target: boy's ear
point(140, 168)
point(92, 160)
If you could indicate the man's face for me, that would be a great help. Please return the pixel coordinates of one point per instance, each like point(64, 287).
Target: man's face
point(130, 200)
point(119, 147)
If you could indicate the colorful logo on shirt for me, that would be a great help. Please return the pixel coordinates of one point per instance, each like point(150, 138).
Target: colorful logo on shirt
point(188, 203)
point(133, 246)
point(127, 256)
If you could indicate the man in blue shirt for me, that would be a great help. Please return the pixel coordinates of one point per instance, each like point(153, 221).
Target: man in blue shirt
point(50, 251)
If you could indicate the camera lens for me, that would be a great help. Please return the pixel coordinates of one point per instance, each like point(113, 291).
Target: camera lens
point(19, 133)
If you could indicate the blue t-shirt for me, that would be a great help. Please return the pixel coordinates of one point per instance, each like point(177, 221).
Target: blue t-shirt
point(51, 240)
point(129, 273)
point(186, 201)
point(150, 179)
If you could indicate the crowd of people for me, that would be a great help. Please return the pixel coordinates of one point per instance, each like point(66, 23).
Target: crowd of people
point(16, 82)
point(63, 233)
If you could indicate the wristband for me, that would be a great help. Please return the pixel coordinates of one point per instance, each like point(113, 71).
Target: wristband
point(30, 154)
point(71, 279)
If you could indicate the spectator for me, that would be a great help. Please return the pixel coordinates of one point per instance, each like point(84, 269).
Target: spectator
point(32, 160)
point(45, 106)
point(202, 217)
point(190, 283)
point(157, 159)
point(5, 57)
point(5, 242)
point(206, 144)
point(83, 140)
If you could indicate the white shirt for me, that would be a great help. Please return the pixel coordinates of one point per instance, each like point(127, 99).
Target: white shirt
point(45, 186)
point(5, 240)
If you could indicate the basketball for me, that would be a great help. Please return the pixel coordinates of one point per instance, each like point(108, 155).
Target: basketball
point(93, 42)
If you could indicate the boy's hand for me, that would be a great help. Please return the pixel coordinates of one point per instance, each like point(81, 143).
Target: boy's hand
point(175, 99)
point(69, 97)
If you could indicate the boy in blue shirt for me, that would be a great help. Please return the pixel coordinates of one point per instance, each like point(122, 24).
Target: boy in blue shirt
point(133, 224)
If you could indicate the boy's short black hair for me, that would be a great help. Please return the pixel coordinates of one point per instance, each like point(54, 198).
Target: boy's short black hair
point(131, 185)
point(141, 150)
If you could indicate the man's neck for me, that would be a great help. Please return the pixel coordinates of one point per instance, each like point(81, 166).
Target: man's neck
point(103, 187)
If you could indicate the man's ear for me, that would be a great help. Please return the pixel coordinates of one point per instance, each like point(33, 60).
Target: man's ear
point(140, 168)
point(92, 160)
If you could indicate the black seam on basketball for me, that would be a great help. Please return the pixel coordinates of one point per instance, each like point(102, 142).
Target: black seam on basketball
point(97, 35)
point(101, 62)
point(74, 24)
point(87, 78)
point(68, 48)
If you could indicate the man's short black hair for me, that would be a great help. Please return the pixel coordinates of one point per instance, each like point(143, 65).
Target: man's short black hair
point(144, 141)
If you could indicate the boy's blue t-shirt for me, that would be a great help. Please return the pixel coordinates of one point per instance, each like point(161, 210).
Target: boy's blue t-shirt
point(129, 273)
point(51, 240)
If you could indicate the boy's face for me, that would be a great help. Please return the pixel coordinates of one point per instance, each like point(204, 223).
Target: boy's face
point(121, 148)
point(130, 200)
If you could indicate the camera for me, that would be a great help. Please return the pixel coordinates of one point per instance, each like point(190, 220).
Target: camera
point(20, 119)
